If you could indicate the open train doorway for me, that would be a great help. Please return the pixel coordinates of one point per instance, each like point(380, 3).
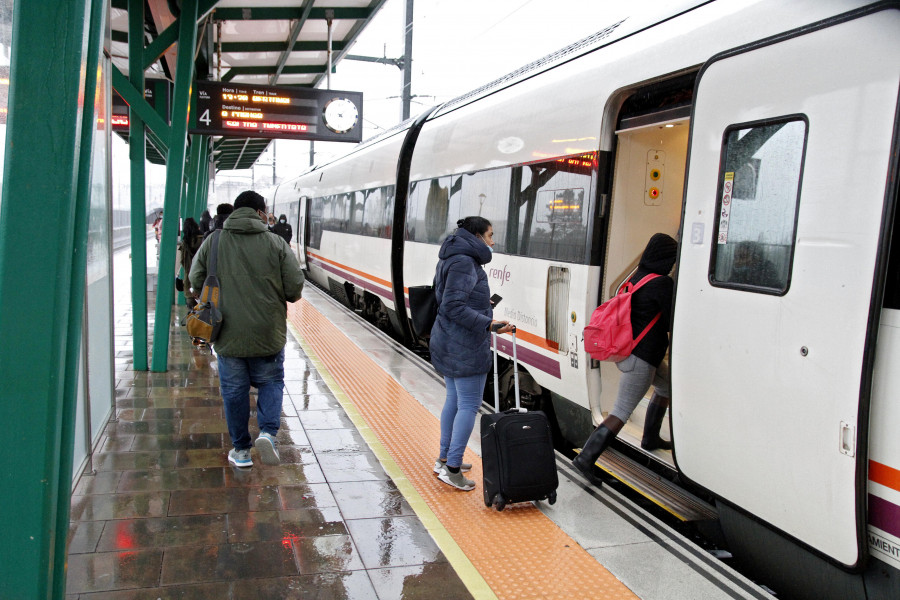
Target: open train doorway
point(647, 189)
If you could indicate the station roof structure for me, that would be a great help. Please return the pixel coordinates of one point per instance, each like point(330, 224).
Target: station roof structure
point(266, 42)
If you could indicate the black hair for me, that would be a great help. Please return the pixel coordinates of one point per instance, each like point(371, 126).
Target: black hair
point(224, 209)
point(251, 199)
point(280, 217)
point(189, 229)
point(474, 225)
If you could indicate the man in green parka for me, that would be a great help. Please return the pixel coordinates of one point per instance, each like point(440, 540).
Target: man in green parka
point(258, 274)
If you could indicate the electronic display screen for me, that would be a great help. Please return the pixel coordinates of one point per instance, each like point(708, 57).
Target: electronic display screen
point(245, 110)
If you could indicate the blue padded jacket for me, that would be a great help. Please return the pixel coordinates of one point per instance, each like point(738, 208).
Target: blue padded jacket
point(460, 342)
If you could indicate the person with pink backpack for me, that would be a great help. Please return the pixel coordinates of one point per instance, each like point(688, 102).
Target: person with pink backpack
point(651, 306)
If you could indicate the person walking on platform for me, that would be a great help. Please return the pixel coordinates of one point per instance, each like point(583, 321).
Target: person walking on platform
point(191, 238)
point(283, 229)
point(460, 340)
point(222, 212)
point(205, 220)
point(258, 274)
point(647, 364)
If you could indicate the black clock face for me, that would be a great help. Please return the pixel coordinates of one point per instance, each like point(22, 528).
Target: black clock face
point(340, 115)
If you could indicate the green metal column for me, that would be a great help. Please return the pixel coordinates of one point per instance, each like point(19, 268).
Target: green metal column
point(203, 190)
point(76, 302)
point(194, 168)
point(137, 151)
point(38, 285)
point(184, 74)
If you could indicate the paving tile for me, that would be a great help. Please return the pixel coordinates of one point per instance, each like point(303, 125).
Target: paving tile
point(117, 443)
point(198, 459)
point(156, 427)
point(228, 562)
point(351, 466)
point(83, 536)
point(133, 461)
point(283, 474)
point(326, 419)
point(306, 386)
point(191, 426)
point(133, 534)
point(346, 585)
point(284, 525)
point(99, 483)
point(224, 500)
point(302, 402)
point(105, 507)
point(365, 499)
point(396, 541)
point(177, 442)
point(136, 481)
point(419, 582)
point(326, 554)
point(113, 571)
point(339, 440)
point(216, 590)
point(313, 495)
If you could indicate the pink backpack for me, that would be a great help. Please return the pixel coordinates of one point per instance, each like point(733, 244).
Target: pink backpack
point(608, 335)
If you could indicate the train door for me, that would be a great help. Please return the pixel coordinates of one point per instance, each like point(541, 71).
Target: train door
point(300, 228)
point(647, 192)
point(775, 312)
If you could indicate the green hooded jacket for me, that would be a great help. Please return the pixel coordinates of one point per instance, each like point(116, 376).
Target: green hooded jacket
point(258, 274)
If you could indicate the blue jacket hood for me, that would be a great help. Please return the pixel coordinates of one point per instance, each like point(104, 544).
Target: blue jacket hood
point(465, 243)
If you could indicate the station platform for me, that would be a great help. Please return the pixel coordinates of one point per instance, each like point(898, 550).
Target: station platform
point(354, 510)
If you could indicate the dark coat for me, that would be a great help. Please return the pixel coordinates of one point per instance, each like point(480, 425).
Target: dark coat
point(654, 298)
point(460, 342)
point(284, 230)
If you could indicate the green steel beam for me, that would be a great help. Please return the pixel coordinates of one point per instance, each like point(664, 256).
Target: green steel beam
point(160, 44)
point(137, 102)
point(197, 143)
point(276, 13)
point(43, 134)
point(119, 36)
point(137, 153)
point(204, 189)
point(279, 46)
point(77, 299)
point(184, 74)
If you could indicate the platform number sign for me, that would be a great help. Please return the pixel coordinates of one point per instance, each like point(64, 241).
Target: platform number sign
point(259, 111)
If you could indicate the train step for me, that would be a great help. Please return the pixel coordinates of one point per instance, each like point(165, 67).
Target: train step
point(681, 504)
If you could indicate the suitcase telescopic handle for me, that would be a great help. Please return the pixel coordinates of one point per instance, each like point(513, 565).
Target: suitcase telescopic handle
point(496, 376)
point(515, 359)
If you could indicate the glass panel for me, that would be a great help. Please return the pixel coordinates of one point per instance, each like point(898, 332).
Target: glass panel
point(759, 192)
point(6, 15)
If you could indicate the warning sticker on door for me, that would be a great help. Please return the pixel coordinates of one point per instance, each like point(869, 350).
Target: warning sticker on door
point(725, 212)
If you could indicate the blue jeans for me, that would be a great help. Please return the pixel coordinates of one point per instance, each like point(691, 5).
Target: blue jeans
point(236, 375)
point(464, 395)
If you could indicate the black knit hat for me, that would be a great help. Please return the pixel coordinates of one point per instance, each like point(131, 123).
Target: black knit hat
point(659, 255)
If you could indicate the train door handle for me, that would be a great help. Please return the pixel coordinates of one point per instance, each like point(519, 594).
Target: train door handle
point(848, 439)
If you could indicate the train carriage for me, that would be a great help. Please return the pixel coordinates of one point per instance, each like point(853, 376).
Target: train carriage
point(762, 135)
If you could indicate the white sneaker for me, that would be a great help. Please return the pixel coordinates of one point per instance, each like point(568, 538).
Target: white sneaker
point(240, 458)
point(268, 449)
point(456, 480)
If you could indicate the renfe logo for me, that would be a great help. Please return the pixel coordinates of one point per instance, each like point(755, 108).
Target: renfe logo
point(502, 274)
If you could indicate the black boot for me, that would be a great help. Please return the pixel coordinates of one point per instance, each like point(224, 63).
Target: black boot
point(652, 422)
point(593, 447)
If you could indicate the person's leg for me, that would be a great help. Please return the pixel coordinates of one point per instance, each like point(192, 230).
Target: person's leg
point(470, 392)
point(633, 384)
point(448, 414)
point(656, 411)
point(234, 383)
point(267, 374)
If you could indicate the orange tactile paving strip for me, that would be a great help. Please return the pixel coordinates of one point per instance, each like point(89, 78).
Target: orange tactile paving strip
point(520, 553)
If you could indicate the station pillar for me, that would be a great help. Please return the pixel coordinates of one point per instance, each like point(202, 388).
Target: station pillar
point(42, 282)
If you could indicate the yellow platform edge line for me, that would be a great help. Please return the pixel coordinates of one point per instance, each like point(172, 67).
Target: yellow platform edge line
point(467, 571)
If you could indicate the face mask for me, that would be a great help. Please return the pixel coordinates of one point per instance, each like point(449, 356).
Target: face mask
point(488, 245)
point(283, 221)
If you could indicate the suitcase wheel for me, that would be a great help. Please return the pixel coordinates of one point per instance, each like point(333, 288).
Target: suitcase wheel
point(499, 502)
point(487, 501)
point(552, 498)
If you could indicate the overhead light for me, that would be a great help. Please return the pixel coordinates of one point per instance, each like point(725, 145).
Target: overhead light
point(670, 125)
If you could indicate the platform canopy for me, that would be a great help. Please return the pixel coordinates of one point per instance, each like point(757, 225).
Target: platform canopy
point(266, 42)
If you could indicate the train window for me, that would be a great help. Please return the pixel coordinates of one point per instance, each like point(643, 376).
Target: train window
point(316, 218)
point(759, 188)
point(486, 194)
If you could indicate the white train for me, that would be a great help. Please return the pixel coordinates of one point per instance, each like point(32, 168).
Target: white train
point(764, 136)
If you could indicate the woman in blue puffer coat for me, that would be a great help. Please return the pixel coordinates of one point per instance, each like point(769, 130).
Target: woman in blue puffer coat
point(460, 340)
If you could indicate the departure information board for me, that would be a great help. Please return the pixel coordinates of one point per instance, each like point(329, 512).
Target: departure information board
point(242, 110)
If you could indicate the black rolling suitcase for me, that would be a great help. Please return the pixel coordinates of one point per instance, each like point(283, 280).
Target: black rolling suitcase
point(518, 460)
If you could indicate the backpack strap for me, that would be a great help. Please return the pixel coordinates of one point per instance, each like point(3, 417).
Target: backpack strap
point(213, 254)
point(636, 286)
point(646, 279)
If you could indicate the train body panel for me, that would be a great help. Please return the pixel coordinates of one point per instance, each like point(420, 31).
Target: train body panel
point(577, 163)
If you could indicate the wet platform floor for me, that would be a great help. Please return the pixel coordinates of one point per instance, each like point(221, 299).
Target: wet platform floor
point(164, 515)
